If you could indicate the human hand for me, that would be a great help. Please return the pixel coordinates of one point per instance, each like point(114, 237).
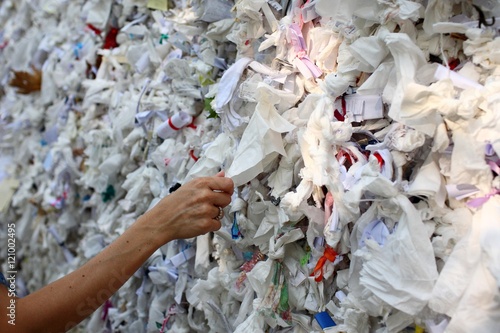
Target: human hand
point(192, 209)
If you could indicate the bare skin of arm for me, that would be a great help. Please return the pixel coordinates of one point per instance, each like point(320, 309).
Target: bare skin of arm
point(59, 306)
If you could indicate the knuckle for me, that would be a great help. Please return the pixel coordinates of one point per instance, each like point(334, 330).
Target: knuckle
point(203, 182)
point(200, 195)
point(205, 194)
point(206, 208)
point(198, 182)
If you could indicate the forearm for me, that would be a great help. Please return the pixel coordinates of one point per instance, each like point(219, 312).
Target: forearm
point(67, 301)
point(191, 211)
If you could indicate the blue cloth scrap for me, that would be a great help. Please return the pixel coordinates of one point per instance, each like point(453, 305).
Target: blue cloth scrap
point(324, 320)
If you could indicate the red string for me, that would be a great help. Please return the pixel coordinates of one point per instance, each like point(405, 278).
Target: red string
point(348, 156)
point(379, 159)
point(172, 125)
point(94, 29)
point(454, 63)
point(105, 309)
point(191, 154)
point(340, 116)
point(192, 125)
point(110, 40)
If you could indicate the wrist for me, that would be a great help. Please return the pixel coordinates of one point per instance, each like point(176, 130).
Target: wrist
point(149, 225)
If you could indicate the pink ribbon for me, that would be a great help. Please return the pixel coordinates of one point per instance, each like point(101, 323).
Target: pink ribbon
point(311, 66)
point(171, 311)
point(494, 167)
point(300, 47)
point(328, 206)
point(478, 202)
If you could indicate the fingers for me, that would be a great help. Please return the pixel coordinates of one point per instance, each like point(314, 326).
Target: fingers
point(205, 195)
point(220, 199)
point(216, 183)
point(215, 191)
point(220, 174)
point(220, 183)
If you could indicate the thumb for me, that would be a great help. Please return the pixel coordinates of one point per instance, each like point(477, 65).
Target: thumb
point(220, 174)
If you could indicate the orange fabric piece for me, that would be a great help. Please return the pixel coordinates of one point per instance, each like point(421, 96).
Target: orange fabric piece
point(329, 255)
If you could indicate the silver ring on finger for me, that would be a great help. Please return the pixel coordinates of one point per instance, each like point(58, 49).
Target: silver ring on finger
point(220, 215)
